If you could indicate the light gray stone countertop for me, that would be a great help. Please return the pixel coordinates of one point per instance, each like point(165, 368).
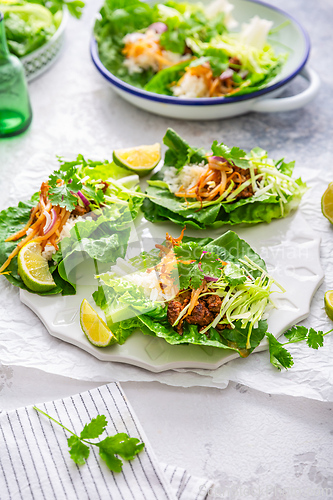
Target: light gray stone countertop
point(253, 445)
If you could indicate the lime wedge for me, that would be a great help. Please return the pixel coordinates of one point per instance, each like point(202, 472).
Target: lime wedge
point(327, 203)
point(140, 160)
point(34, 269)
point(94, 328)
point(328, 299)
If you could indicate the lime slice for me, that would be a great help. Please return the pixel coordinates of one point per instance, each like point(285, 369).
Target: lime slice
point(95, 329)
point(140, 160)
point(34, 269)
point(328, 299)
point(327, 203)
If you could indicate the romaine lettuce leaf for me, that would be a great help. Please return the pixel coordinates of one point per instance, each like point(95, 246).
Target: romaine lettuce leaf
point(162, 204)
point(102, 235)
point(189, 31)
point(234, 339)
point(162, 81)
point(121, 298)
point(12, 220)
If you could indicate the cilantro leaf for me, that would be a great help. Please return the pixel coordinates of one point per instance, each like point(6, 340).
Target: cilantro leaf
point(211, 265)
point(114, 463)
point(233, 155)
point(95, 428)
point(94, 194)
point(315, 339)
point(286, 168)
point(78, 451)
point(75, 8)
point(194, 264)
point(62, 194)
point(238, 336)
point(279, 356)
point(99, 297)
point(122, 445)
point(296, 333)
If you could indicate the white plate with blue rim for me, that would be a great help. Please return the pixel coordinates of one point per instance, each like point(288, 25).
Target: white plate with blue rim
point(291, 250)
point(265, 100)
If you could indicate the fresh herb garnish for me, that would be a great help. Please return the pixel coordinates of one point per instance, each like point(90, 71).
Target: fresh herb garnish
point(194, 263)
point(280, 357)
point(120, 444)
point(93, 194)
point(234, 155)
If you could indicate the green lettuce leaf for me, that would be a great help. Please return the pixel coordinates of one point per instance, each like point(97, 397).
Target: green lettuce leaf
point(180, 153)
point(161, 82)
point(103, 234)
point(127, 309)
point(184, 21)
point(12, 220)
point(162, 205)
point(234, 339)
point(104, 240)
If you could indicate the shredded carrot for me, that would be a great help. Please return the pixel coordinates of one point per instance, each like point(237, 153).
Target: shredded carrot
point(195, 296)
point(215, 86)
point(147, 44)
point(22, 232)
point(175, 241)
point(36, 225)
point(16, 250)
point(214, 181)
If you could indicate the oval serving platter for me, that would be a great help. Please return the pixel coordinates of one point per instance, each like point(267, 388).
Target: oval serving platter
point(291, 250)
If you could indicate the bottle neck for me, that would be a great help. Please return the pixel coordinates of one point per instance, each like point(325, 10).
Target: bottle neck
point(3, 41)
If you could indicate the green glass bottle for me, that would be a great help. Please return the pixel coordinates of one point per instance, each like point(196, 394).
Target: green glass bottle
point(15, 109)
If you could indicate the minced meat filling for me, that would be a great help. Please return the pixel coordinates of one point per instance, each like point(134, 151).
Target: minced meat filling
point(203, 313)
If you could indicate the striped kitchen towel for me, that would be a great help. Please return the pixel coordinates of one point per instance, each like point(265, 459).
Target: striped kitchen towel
point(35, 463)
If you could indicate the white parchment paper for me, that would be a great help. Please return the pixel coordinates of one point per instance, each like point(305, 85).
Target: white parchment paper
point(24, 340)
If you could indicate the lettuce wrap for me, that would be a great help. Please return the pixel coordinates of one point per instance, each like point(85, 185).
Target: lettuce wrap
point(190, 291)
point(91, 204)
point(250, 188)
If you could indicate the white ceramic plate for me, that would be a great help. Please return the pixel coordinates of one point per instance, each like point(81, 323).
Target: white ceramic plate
point(291, 251)
point(292, 36)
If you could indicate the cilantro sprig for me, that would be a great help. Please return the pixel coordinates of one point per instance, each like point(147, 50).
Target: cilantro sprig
point(194, 263)
point(62, 194)
point(70, 172)
point(120, 444)
point(234, 155)
point(280, 357)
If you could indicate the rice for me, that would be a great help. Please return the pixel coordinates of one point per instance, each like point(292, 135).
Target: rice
point(191, 86)
point(186, 178)
point(65, 232)
point(49, 250)
point(156, 287)
point(149, 283)
point(147, 59)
